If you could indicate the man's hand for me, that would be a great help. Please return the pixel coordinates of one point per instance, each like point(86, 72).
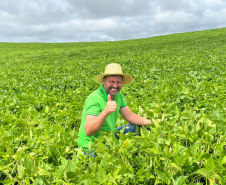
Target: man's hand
point(111, 106)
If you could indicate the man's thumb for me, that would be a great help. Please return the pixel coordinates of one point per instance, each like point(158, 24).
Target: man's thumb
point(109, 97)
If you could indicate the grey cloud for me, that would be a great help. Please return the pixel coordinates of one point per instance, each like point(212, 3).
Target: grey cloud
point(109, 8)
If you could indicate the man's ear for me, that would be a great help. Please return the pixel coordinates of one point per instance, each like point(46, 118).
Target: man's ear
point(104, 79)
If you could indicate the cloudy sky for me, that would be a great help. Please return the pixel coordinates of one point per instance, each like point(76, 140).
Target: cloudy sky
point(105, 20)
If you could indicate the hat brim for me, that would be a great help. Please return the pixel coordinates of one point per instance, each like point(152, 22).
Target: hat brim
point(126, 78)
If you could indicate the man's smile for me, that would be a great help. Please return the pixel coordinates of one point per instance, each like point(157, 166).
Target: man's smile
point(114, 89)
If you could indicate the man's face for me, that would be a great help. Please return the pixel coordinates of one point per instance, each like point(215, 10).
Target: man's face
point(112, 84)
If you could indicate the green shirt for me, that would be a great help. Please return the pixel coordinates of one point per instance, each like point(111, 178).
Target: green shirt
point(94, 105)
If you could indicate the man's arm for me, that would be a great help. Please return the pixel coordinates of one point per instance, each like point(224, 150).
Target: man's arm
point(94, 123)
point(132, 118)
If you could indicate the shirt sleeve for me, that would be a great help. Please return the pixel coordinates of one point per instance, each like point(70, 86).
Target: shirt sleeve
point(123, 102)
point(92, 108)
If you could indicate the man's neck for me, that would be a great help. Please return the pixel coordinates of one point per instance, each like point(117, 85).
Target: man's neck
point(112, 97)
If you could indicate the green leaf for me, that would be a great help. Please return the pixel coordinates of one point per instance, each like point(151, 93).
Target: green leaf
point(122, 169)
point(163, 176)
point(101, 175)
point(63, 166)
point(71, 175)
point(116, 173)
point(180, 180)
point(20, 170)
point(39, 181)
point(43, 173)
point(104, 160)
point(207, 174)
point(8, 182)
point(223, 161)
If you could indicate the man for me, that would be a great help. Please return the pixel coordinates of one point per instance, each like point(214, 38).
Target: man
point(102, 107)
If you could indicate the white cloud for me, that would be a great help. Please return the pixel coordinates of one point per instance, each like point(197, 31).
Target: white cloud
point(214, 17)
point(103, 20)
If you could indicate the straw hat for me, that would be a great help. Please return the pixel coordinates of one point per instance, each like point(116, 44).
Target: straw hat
point(113, 69)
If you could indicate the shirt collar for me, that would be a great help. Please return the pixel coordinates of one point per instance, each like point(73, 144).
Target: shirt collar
point(103, 92)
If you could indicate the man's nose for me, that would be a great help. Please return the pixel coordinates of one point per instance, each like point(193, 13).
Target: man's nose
point(115, 85)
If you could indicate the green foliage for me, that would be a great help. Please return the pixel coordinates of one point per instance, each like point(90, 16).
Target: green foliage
point(179, 81)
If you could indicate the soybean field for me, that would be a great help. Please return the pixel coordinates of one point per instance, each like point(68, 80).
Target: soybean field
point(179, 83)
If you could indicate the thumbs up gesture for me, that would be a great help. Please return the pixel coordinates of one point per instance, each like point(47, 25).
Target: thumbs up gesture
point(109, 97)
point(111, 106)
